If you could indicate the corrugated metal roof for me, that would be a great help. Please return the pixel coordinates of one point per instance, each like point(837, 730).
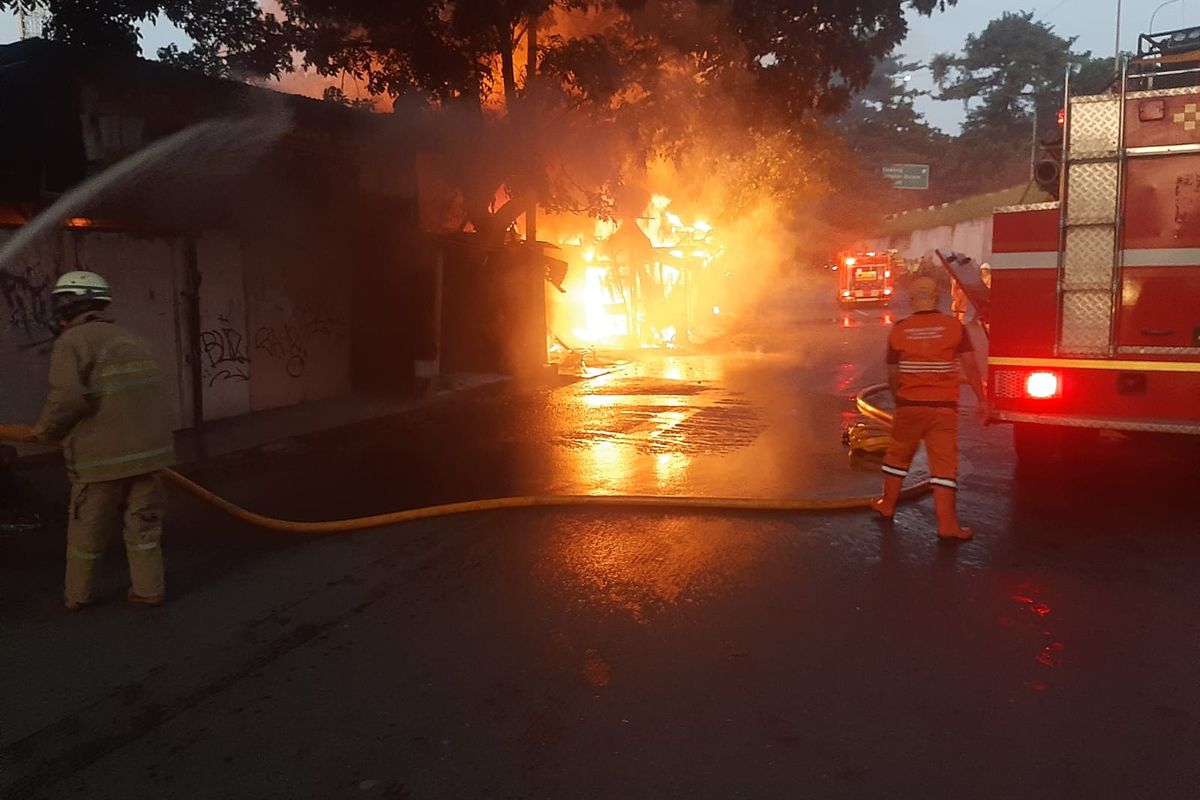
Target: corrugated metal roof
point(969, 208)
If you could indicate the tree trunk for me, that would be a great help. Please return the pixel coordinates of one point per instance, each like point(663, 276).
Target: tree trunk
point(530, 76)
point(509, 72)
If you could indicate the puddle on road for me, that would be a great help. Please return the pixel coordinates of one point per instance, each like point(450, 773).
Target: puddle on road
point(642, 570)
point(656, 430)
point(666, 417)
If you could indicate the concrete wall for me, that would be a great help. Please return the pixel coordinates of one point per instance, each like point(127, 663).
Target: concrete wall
point(972, 237)
point(224, 339)
point(298, 318)
point(274, 317)
point(493, 315)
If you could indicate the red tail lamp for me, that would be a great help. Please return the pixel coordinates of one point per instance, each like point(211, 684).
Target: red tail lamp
point(1043, 385)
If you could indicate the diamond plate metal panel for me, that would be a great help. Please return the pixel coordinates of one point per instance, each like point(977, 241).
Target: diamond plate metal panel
point(1086, 322)
point(1148, 93)
point(1088, 259)
point(1160, 351)
point(1095, 128)
point(1026, 207)
point(1092, 193)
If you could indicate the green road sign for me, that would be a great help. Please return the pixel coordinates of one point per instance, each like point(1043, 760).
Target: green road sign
point(907, 176)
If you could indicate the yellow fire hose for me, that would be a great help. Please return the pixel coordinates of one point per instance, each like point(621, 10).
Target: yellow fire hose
point(873, 435)
point(868, 442)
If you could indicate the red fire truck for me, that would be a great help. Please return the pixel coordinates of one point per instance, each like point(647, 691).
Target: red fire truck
point(1095, 298)
point(866, 277)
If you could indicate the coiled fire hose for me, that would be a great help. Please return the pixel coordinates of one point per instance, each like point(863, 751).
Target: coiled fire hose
point(880, 419)
point(874, 434)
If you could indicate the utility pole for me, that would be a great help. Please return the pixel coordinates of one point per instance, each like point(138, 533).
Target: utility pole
point(1033, 150)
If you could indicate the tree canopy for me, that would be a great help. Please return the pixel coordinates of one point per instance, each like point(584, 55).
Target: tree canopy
point(1016, 64)
point(1010, 78)
point(229, 36)
point(733, 87)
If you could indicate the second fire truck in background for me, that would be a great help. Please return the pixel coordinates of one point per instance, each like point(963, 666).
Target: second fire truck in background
point(867, 277)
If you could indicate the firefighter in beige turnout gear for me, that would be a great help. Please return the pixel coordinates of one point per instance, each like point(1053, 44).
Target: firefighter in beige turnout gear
point(106, 408)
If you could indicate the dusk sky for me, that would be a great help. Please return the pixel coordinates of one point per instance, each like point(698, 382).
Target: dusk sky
point(1092, 21)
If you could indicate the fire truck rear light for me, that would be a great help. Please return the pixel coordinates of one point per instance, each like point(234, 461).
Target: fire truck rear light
point(887, 291)
point(845, 294)
point(1042, 385)
point(851, 261)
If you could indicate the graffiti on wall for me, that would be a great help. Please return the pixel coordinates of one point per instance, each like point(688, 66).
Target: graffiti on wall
point(225, 351)
point(293, 342)
point(27, 299)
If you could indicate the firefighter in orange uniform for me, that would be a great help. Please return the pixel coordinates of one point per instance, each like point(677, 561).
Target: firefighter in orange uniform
point(924, 354)
point(959, 302)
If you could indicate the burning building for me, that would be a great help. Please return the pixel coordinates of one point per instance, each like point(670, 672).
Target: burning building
point(648, 281)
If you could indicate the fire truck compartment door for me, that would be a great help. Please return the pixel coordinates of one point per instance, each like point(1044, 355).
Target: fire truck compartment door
point(1160, 260)
point(1160, 308)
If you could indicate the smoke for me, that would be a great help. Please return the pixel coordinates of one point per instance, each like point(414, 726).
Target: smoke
point(219, 146)
point(716, 148)
point(626, 106)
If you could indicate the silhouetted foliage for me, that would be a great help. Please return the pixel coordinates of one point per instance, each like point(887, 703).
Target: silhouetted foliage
point(231, 37)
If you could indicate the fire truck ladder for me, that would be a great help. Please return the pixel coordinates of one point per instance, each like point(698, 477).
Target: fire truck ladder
point(1089, 252)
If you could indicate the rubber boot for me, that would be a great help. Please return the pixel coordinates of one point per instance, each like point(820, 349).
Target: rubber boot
point(947, 514)
point(886, 505)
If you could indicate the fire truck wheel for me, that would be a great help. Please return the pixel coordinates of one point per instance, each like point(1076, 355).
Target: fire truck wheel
point(1038, 445)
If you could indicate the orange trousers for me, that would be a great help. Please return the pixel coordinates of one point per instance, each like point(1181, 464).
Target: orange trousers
point(938, 429)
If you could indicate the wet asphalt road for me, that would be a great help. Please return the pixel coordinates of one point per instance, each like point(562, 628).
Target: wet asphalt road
point(584, 654)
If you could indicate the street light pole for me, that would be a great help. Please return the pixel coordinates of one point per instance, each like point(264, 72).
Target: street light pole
point(1161, 6)
point(1117, 50)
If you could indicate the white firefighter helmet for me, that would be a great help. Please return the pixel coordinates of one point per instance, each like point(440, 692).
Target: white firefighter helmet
point(83, 286)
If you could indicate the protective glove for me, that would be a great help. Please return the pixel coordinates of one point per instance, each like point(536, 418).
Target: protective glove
point(19, 433)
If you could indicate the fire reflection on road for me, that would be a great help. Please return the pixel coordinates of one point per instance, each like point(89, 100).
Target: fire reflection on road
point(670, 469)
point(642, 433)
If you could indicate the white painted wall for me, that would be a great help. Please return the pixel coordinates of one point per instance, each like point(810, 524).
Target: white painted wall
point(297, 310)
point(224, 337)
point(145, 274)
point(274, 318)
point(973, 238)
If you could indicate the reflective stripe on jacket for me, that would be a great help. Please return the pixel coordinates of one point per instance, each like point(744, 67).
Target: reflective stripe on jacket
point(925, 347)
point(106, 403)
